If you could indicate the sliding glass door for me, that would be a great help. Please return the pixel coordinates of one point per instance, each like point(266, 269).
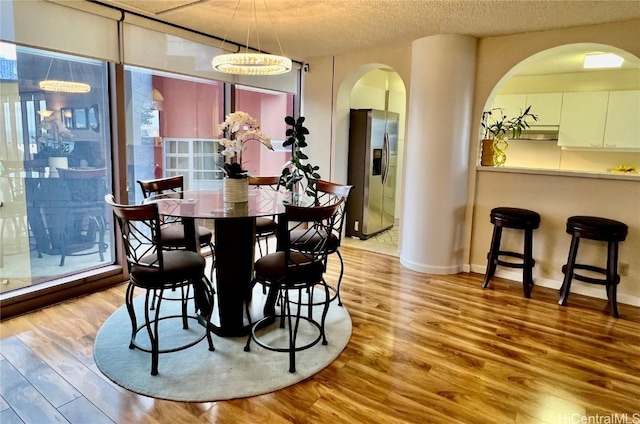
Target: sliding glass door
point(55, 166)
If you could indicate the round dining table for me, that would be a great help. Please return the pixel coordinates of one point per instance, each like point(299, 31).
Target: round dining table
point(234, 240)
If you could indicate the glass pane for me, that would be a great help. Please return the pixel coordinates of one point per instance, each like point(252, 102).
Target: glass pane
point(269, 108)
point(183, 147)
point(205, 162)
point(183, 163)
point(187, 111)
point(54, 170)
point(206, 175)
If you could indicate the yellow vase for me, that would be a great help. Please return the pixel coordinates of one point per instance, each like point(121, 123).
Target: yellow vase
point(500, 147)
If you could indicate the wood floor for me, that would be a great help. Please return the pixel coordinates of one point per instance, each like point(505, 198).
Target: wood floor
point(424, 349)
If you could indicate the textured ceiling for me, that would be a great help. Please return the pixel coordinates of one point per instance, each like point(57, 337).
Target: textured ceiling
point(308, 28)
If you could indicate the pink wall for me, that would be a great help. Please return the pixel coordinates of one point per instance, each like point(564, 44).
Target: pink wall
point(269, 110)
point(190, 110)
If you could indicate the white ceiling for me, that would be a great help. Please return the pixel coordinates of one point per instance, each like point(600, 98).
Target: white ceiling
point(308, 28)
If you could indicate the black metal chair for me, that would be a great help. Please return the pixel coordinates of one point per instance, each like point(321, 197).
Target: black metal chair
point(85, 217)
point(155, 269)
point(266, 227)
point(289, 270)
point(329, 193)
point(172, 229)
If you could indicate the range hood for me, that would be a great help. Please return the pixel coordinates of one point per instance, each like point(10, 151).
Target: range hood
point(540, 133)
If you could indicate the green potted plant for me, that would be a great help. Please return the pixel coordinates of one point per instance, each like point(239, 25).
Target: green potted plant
point(496, 126)
point(298, 177)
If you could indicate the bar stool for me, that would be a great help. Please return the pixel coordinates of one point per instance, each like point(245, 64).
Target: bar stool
point(601, 229)
point(521, 219)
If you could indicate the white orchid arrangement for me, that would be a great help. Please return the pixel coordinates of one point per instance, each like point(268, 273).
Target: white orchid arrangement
point(56, 128)
point(239, 128)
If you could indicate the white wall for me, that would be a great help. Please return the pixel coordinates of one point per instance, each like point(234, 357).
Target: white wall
point(328, 87)
point(327, 99)
point(554, 197)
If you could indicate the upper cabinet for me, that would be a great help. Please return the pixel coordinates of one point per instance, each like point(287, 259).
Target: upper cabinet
point(583, 119)
point(546, 105)
point(601, 119)
point(622, 128)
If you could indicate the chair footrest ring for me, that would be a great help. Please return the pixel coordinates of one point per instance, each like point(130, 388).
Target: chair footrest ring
point(592, 280)
point(197, 340)
point(277, 317)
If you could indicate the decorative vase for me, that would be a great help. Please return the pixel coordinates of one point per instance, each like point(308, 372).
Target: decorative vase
point(56, 162)
point(493, 152)
point(499, 151)
point(486, 156)
point(236, 190)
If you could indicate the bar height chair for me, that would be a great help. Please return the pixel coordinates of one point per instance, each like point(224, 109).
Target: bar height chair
point(600, 229)
point(519, 219)
point(155, 269)
point(328, 193)
point(299, 272)
point(172, 229)
point(266, 227)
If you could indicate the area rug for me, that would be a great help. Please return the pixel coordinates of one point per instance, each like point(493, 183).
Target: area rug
point(198, 375)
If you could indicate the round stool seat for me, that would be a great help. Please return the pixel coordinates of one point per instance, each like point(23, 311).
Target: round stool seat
point(596, 228)
point(515, 218)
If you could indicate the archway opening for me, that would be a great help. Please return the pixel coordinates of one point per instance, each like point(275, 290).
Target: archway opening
point(579, 110)
point(379, 88)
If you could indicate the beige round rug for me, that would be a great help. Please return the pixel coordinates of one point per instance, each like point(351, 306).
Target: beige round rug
point(198, 375)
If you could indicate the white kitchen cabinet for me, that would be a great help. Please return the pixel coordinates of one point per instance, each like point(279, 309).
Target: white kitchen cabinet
point(583, 119)
point(547, 106)
point(622, 129)
point(512, 105)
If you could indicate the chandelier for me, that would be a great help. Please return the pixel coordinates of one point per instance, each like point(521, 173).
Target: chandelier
point(245, 63)
point(251, 64)
point(63, 86)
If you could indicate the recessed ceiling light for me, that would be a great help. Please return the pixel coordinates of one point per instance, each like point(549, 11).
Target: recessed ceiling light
point(602, 60)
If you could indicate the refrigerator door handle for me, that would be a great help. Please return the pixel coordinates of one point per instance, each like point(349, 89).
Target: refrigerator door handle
point(386, 158)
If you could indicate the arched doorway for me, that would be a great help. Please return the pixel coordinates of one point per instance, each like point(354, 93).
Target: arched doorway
point(552, 81)
point(377, 87)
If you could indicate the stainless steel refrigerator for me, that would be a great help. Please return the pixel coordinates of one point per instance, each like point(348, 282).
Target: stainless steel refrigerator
point(373, 154)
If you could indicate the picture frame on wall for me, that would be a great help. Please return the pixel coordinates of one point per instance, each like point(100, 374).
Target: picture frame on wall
point(80, 118)
point(66, 114)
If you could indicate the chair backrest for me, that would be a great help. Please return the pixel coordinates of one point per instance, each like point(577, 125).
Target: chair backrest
point(310, 225)
point(168, 186)
point(140, 231)
point(84, 185)
point(329, 193)
point(257, 182)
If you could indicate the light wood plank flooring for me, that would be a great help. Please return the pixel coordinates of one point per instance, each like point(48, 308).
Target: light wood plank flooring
point(425, 349)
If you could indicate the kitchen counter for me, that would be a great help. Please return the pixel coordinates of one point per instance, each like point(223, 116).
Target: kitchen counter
point(562, 172)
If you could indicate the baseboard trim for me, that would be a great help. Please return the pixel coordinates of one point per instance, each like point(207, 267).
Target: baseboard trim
point(578, 287)
point(430, 269)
